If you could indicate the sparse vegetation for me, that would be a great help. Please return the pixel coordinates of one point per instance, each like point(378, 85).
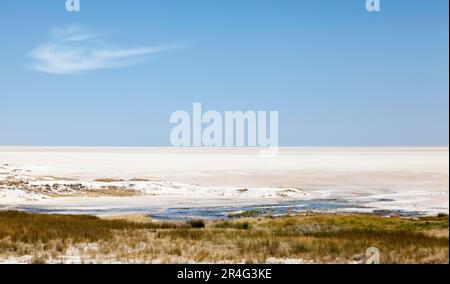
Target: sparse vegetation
point(248, 214)
point(111, 191)
point(108, 180)
point(139, 179)
point(316, 238)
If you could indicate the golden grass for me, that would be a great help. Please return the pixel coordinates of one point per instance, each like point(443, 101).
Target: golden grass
point(136, 218)
point(108, 180)
point(139, 179)
point(317, 238)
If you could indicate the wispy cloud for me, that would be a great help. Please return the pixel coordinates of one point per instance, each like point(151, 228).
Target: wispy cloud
point(73, 50)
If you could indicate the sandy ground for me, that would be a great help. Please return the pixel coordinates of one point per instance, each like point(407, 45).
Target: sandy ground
point(412, 179)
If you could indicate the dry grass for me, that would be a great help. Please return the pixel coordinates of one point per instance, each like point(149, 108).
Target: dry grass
point(139, 179)
point(110, 191)
point(129, 218)
point(108, 180)
point(316, 238)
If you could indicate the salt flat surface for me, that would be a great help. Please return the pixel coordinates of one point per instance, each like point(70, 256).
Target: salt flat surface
point(409, 179)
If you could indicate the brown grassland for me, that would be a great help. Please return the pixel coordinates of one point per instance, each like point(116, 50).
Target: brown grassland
point(313, 238)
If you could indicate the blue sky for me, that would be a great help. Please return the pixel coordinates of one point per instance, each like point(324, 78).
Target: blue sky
point(112, 74)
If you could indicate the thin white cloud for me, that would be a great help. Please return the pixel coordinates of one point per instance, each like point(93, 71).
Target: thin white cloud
point(74, 50)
